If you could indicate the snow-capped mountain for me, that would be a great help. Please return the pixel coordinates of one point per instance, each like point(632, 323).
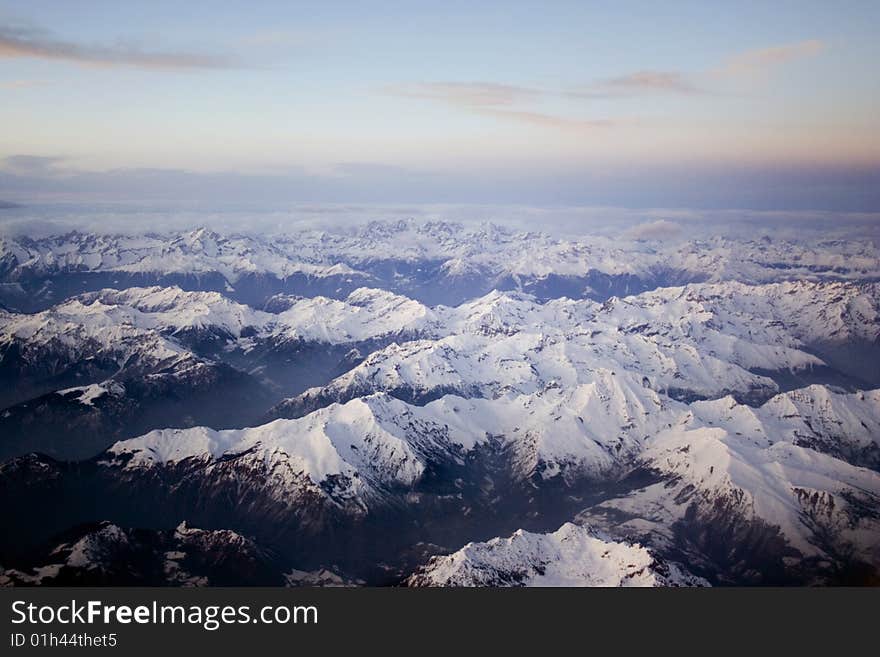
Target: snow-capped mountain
point(94, 361)
point(699, 341)
point(356, 402)
point(111, 321)
point(369, 450)
point(436, 262)
point(707, 465)
point(693, 342)
point(844, 426)
point(347, 455)
point(365, 314)
point(107, 334)
point(110, 364)
point(756, 476)
point(200, 251)
point(571, 556)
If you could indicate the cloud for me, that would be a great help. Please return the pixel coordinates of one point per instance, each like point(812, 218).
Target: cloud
point(20, 43)
point(502, 101)
point(510, 102)
point(660, 229)
point(760, 60)
point(748, 63)
point(490, 94)
point(467, 94)
point(647, 82)
point(30, 164)
point(546, 120)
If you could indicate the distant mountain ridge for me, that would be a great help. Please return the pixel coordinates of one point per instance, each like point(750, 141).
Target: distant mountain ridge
point(434, 262)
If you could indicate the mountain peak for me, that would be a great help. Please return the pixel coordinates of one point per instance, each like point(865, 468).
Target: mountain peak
point(571, 556)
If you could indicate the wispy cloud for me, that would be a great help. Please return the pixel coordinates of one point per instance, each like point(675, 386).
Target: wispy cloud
point(467, 94)
point(760, 60)
point(39, 44)
point(488, 94)
point(501, 101)
point(511, 102)
point(645, 82)
point(546, 120)
point(507, 101)
point(752, 63)
point(659, 229)
point(30, 164)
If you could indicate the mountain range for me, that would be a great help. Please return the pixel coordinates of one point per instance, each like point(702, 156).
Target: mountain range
point(436, 404)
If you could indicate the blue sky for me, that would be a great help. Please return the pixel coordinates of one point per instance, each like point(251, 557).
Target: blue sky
point(770, 105)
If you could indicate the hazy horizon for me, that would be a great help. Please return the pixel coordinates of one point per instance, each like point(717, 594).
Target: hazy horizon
point(652, 224)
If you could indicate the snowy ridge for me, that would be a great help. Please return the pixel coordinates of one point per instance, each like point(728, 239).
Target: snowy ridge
point(570, 556)
point(374, 446)
point(750, 463)
point(351, 454)
point(698, 341)
point(130, 332)
point(109, 317)
point(372, 450)
point(844, 425)
point(198, 251)
point(364, 314)
point(590, 431)
point(87, 395)
point(810, 312)
point(487, 249)
point(748, 326)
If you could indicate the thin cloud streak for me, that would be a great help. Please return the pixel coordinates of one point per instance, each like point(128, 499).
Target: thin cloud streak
point(28, 43)
point(499, 101)
point(649, 82)
point(466, 94)
point(481, 97)
point(760, 60)
point(30, 164)
point(547, 120)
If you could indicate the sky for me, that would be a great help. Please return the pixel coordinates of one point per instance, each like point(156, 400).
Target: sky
point(764, 105)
